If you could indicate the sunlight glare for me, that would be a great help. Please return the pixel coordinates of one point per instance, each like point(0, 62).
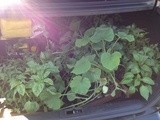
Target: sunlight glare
point(9, 3)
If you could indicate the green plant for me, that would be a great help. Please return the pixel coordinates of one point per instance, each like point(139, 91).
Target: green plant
point(140, 70)
point(102, 61)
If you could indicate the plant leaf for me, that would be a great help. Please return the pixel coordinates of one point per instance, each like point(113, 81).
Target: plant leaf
point(31, 107)
point(82, 42)
point(49, 81)
point(111, 61)
point(80, 85)
point(54, 103)
point(81, 66)
point(37, 88)
point(21, 89)
point(148, 80)
point(144, 91)
point(132, 89)
point(88, 33)
point(93, 74)
point(103, 33)
point(125, 36)
point(71, 96)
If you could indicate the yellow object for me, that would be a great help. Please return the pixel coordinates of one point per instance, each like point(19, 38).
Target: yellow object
point(16, 28)
point(25, 46)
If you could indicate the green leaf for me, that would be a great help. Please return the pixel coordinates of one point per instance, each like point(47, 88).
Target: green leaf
point(102, 33)
point(46, 74)
point(37, 88)
point(135, 69)
point(81, 66)
point(150, 62)
point(128, 75)
point(59, 85)
point(150, 89)
point(139, 57)
point(21, 89)
point(148, 80)
point(144, 91)
point(82, 42)
point(31, 107)
point(54, 103)
point(80, 85)
point(147, 69)
point(88, 33)
point(125, 36)
point(51, 67)
point(13, 83)
point(111, 61)
point(93, 74)
point(45, 95)
point(137, 82)
point(49, 81)
point(126, 81)
point(90, 57)
point(71, 96)
point(132, 89)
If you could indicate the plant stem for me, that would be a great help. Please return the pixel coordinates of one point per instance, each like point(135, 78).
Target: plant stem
point(114, 44)
point(104, 46)
point(87, 99)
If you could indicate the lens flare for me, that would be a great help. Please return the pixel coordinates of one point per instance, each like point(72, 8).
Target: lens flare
point(9, 3)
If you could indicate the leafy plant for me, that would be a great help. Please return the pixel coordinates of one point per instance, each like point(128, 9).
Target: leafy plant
point(102, 61)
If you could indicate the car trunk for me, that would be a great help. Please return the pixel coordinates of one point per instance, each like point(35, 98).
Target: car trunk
point(118, 109)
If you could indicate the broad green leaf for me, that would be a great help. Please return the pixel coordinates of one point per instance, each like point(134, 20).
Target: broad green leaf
point(46, 74)
point(148, 80)
point(21, 89)
point(150, 62)
point(126, 81)
point(105, 89)
point(132, 89)
point(137, 82)
point(88, 33)
point(49, 81)
point(59, 85)
point(125, 36)
point(54, 103)
point(31, 107)
point(52, 68)
point(81, 66)
point(45, 95)
point(156, 69)
point(150, 89)
point(52, 90)
point(13, 83)
point(82, 42)
point(146, 68)
point(111, 61)
point(128, 75)
point(90, 57)
point(93, 74)
point(37, 88)
point(80, 85)
point(102, 33)
point(32, 64)
point(71, 96)
point(144, 91)
point(97, 46)
point(135, 69)
point(139, 57)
